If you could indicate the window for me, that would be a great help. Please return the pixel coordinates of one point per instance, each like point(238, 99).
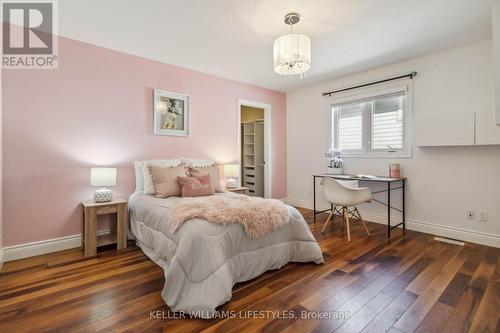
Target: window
point(372, 126)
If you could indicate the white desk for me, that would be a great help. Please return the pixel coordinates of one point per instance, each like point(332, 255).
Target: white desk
point(380, 179)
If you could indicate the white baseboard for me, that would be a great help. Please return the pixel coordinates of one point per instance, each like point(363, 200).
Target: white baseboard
point(412, 224)
point(26, 250)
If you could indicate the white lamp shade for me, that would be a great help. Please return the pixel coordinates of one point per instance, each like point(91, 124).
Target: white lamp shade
point(231, 170)
point(292, 54)
point(103, 176)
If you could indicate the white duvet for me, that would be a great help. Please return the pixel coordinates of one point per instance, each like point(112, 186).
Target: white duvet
point(202, 261)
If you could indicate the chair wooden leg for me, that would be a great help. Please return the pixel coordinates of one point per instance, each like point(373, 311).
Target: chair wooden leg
point(362, 221)
point(346, 218)
point(327, 220)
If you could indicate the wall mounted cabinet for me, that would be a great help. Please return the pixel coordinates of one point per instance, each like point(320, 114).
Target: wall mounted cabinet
point(444, 129)
point(487, 132)
point(456, 129)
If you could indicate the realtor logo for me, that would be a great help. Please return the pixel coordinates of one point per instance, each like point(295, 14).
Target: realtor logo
point(29, 39)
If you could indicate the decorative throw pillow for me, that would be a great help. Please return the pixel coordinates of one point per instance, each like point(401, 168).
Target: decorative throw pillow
point(165, 180)
point(214, 173)
point(143, 179)
point(196, 186)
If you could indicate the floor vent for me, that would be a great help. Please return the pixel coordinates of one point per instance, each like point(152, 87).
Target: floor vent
point(449, 240)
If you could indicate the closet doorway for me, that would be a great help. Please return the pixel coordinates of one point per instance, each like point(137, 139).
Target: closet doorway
point(254, 138)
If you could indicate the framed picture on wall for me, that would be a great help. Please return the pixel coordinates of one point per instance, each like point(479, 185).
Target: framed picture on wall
point(170, 113)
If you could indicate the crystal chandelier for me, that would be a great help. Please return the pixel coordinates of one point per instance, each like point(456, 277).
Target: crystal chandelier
point(292, 52)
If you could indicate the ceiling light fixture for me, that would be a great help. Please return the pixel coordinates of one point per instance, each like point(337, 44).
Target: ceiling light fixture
point(292, 52)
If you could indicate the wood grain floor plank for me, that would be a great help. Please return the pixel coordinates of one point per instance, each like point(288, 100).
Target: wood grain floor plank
point(419, 309)
point(488, 311)
point(435, 319)
point(391, 313)
point(28, 294)
point(463, 314)
point(426, 276)
point(360, 299)
point(407, 251)
point(104, 289)
point(353, 303)
point(76, 309)
point(360, 319)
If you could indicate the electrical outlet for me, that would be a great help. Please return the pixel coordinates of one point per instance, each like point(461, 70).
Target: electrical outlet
point(471, 215)
point(483, 216)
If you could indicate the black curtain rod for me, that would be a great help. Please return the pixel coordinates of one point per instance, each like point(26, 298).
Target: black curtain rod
point(411, 76)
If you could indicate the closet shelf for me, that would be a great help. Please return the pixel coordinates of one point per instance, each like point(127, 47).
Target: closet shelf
point(252, 146)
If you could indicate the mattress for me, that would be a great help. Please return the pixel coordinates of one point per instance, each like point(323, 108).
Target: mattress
point(202, 261)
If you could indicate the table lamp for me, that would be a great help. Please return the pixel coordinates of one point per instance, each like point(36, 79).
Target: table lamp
point(103, 177)
point(231, 171)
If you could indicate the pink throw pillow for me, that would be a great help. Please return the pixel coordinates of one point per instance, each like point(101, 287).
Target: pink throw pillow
point(165, 180)
point(214, 173)
point(196, 186)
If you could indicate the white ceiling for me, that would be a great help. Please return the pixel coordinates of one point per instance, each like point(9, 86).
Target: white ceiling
point(233, 38)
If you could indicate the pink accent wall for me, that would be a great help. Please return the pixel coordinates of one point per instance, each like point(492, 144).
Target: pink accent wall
point(96, 110)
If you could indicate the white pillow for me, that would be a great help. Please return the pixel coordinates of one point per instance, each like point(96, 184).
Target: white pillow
point(139, 179)
point(194, 162)
point(143, 180)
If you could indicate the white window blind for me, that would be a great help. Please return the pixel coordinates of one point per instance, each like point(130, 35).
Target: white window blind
point(371, 125)
point(387, 122)
point(350, 129)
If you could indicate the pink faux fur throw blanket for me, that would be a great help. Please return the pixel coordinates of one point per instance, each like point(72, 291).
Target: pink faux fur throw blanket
point(256, 215)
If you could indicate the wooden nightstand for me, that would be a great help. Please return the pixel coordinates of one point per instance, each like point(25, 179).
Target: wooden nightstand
point(91, 210)
point(240, 190)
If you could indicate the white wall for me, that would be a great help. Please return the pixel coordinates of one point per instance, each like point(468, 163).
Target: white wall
point(442, 181)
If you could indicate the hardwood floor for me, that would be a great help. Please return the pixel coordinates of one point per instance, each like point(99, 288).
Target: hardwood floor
point(409, 283)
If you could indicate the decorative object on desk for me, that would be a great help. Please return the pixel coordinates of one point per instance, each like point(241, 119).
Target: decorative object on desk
point(103, 177)
point(394, 170)
point(231, 171)
point(336, 161)
point(171, 113)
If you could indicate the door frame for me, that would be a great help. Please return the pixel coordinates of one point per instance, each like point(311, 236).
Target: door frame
point(267, 142)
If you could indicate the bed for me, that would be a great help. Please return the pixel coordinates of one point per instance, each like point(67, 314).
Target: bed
point(202, 261)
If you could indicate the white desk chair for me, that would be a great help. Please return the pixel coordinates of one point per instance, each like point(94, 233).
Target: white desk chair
point(345, 193)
